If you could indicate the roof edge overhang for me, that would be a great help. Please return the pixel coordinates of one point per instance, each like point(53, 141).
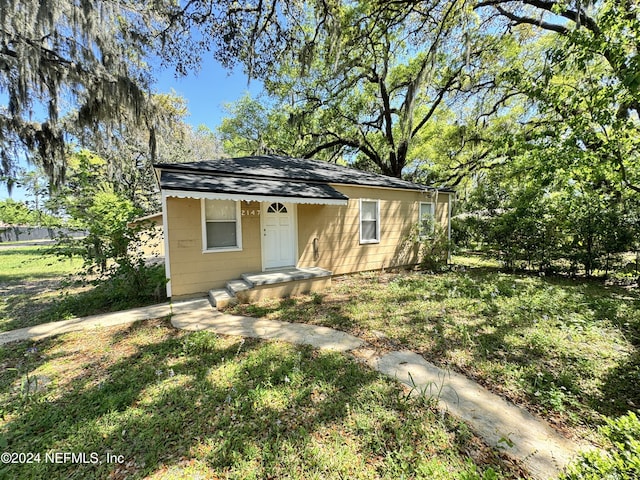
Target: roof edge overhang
point(166, 193)
point(180, 168)
point(417, 188)
point(154, 218)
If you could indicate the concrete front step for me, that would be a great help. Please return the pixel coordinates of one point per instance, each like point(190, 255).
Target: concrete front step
point(283, 275)
point(235, 286)
point(274, 283)
point(221, 298)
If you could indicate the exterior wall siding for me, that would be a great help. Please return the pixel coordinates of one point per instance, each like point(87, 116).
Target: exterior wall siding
point(151, 242)
point(335, 230)
point(193, 271)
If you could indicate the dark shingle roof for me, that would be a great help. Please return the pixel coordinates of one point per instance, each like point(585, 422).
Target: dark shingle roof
point(205, 182)
point(286, 168)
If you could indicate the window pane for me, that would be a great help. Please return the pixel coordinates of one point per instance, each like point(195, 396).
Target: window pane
point(368, 211)
point(425, 210)
point(369, 230)
point(220, 209)
point(221, 234)
point(426, 218)
point(277, 208)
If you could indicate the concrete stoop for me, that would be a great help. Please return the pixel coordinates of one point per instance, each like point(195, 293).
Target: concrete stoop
point(278, 283)
point(221, 298)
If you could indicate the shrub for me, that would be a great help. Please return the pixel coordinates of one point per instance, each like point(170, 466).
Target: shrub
point(138, 282)
point(112, 248)
point(622, 459)
point(433, 245)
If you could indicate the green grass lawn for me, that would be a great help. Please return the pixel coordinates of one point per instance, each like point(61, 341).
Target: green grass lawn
point(32, 283)
point(23, 264)
point(566, 349)
point(38, 287)
point(179, 405)
point(174, 405)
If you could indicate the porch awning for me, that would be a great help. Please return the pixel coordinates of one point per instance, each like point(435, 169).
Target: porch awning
point(215, 187)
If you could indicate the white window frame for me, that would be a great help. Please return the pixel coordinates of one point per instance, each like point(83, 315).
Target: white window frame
point(433, 216)
point(236, 248)
point(377, 239)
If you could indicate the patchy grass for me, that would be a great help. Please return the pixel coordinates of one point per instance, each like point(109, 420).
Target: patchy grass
point(174, 404)
point(569, 350)
point(23, 264)
point(37, 287)
point(31, 281)
point(475, 260)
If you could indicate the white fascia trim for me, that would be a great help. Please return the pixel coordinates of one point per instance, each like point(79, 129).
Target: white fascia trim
point(165, 234)
point(251, 198)
point(147, 217)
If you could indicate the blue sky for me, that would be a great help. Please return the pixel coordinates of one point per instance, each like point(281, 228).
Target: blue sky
point(206, 92)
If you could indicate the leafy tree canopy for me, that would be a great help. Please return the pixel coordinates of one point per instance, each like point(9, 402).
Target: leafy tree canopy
point(16, 213)
point(128, 161)
point(431, 89)
point(368, 81)
point(76, 66)
point(582, 83)
point(56, 54)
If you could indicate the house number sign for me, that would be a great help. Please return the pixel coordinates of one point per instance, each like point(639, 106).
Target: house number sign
point(252, 212)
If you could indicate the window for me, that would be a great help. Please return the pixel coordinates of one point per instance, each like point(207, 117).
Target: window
point(277, 208)
point(369, 221)
point(222, 228)
point(426, 219)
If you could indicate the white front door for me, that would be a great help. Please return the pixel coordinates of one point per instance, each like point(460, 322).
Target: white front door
point(278, 235)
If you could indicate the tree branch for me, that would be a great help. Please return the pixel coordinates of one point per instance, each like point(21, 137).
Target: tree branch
point(532, 21)
point(623, 173)
point(436, 102)
point(386, 103)
point(578, 17)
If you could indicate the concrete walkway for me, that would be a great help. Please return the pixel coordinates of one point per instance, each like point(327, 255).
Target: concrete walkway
point(298, 333)
point(543, 451)
point(500, 423)
point(38, 332)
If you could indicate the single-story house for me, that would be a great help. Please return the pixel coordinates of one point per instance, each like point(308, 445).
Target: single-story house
point(252, 223)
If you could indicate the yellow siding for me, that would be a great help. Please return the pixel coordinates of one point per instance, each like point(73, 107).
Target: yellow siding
point(151, 242)
point(336, 228)
point(193, 271)
point(150, 236)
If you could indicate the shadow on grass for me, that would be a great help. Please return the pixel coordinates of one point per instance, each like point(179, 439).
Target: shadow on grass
point(621, 389)
point(248, 402)
point(22, 311)
point(525, 336)
point(548, 321)
point(314, 310)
